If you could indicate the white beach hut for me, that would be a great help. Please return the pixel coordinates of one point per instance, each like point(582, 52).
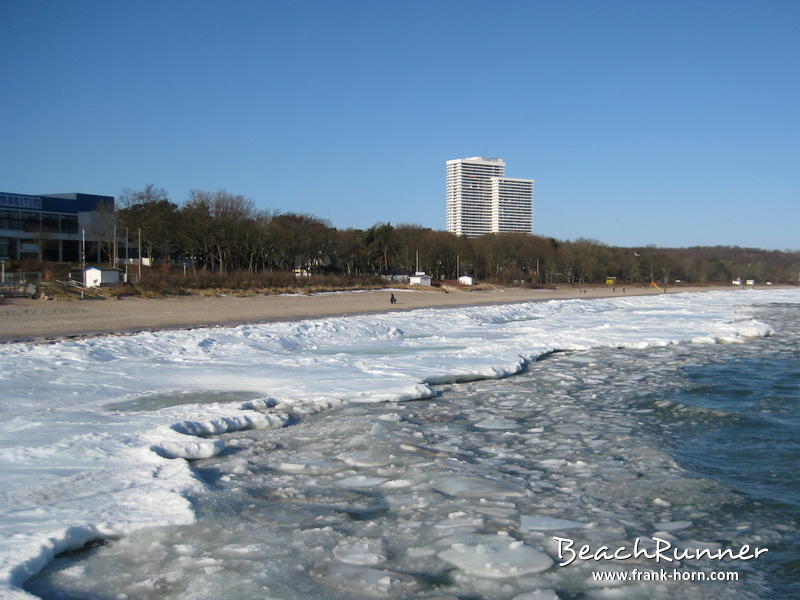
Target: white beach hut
point(420, 278)
point(95, 276)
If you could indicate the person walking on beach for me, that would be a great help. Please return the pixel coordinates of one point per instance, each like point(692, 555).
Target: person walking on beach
point(392, 299)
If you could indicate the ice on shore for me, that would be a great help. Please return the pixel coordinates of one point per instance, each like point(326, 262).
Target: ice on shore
point(298, 512)
point(460, 486)
point(498, 423)
point(365, 581)
point(94, 431)
point(360, 551)
point(541, 523)
point(496, 556)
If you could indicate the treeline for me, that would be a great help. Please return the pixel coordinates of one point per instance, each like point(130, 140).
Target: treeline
point(220, 232)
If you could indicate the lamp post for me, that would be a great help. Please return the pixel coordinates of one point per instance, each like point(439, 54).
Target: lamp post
point(140, 255)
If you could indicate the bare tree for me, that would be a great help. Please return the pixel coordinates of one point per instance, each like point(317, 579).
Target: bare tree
point(149, 193)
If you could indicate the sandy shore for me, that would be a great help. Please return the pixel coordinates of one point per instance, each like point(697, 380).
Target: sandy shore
point(41, 320)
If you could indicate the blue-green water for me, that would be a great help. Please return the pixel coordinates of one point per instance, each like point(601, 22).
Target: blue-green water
point(695, 443)
point(753, 446)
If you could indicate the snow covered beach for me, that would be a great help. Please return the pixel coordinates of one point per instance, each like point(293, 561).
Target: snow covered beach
point(94, 430)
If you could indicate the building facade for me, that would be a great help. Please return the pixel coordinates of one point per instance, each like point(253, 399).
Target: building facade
point(481, 199)
point(469, 194)
point(512, 205)
point(53, 227)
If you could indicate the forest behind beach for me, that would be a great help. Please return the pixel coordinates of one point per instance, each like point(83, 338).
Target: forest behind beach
point(225, 234)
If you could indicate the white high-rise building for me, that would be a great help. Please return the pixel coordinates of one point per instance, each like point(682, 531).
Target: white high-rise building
point(512, 204)
point(480, 199)
point(469, 194)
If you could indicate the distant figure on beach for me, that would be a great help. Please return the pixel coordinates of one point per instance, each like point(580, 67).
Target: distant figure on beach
point(392, 299)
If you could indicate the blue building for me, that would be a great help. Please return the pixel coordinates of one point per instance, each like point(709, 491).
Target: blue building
point(52, 226)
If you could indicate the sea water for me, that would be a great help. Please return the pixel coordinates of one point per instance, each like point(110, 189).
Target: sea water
point(465, 495)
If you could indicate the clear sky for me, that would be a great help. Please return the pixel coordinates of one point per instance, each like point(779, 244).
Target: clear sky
point(672, 123)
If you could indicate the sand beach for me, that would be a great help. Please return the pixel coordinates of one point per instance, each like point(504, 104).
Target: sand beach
point(43, 320)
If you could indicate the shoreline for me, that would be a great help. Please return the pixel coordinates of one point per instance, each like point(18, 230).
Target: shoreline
point(43, 321)
point(80, 403)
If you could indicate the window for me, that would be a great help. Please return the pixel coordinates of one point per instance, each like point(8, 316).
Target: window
point(30, 221)
point(50, 223)
point(69, 224)
point(9, 219)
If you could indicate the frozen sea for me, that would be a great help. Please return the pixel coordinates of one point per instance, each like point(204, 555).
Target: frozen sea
point(424, 454)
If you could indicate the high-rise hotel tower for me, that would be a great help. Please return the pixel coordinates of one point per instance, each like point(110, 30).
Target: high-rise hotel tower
point(481, 199)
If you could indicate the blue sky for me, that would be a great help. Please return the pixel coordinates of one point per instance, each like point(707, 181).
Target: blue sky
point(669, 123)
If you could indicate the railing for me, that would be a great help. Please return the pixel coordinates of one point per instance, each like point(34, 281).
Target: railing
point(12, 289)
point(22, 277)
point(76, 287)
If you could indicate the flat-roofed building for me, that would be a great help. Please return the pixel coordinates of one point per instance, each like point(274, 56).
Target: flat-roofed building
point(512, 205)
point(52, 226)
point(481, 199)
